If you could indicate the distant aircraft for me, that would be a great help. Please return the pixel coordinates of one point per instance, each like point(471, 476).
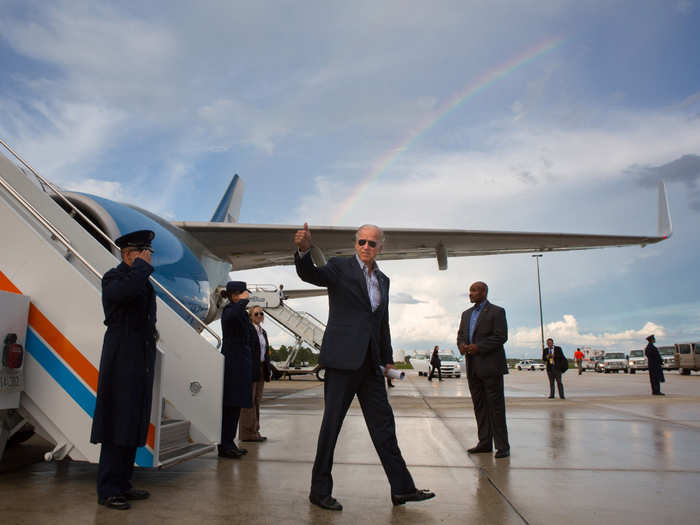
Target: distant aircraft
point(193, 259)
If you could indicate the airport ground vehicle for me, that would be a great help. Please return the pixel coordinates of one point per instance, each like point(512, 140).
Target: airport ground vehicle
point(449, 365)
point(528, 364)
point(614, 362)
point(687, 357)
point(637, 361)
point(667, 357)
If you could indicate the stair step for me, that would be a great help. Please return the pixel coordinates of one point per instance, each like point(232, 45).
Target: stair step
point(174, 433)
point(178, 455)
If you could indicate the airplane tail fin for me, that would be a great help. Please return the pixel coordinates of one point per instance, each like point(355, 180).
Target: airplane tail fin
point(229, 207)
point(664, 226)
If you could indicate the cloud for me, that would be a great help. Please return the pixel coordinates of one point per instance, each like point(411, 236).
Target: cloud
point(566, 332)
point(685, 170)
point(404, 298)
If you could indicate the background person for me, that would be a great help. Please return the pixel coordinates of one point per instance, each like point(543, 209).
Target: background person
point(482, 332)
point(554, 357)
point(125, 385)
point(356, 342)
point(235, 328)
point(260, 362)
point(435, 363)
point(578, 356)
point(655, 365)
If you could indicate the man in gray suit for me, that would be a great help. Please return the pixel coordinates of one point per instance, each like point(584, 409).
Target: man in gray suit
point(482, 332)
point(356, 343)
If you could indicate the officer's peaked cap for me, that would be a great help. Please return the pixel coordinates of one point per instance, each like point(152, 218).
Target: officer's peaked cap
point(236, 287)
point(138, 239)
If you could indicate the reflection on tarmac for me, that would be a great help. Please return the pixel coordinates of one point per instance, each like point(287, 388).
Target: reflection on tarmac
point(610, 453)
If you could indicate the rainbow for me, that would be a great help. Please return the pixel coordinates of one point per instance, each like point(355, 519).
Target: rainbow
point(488, 78)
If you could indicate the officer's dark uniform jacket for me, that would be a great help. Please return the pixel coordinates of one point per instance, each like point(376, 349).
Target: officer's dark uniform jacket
point(655, 363)
point(236, 347)
point(352, 325)
point(125, 385)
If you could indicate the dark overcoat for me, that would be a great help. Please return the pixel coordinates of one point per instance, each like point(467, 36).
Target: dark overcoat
point(236, 347)
point(125, 384)
point(257, 370)
point(435, 360)
point(352, 327)
point(656, 370)
point(490, 334)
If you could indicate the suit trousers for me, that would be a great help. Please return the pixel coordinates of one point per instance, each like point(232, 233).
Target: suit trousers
point(250, 417)
point(115, 470)
point(555, 375)
point(229, 425)
point(490, 410)
point(339, 389)
point(655, 383)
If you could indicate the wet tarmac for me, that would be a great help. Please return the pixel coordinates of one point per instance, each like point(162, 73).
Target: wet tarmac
point(609, 453)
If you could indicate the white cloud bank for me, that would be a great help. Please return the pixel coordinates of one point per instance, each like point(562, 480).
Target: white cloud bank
point(566, 333)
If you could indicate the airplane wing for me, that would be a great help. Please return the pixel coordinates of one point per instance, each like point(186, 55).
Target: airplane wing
point(257, 245)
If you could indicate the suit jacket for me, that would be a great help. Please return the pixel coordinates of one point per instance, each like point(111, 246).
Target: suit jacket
point(655, 362)
point(490, 333)
point(352, 327)
point(255, 355)
point(558, 358)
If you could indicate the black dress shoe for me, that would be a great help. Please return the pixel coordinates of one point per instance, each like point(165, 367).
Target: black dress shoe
point(504, 453)
point(258, 439)
point(133, 494)
point(115, 502)
point(479, 449)
point(550, 397)
point(240, 450)
point(325, 502)
point(230, 453)
point(659, 394)
point(416, 495)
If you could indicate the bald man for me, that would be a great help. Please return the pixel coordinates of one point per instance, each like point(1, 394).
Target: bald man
point(482, 332)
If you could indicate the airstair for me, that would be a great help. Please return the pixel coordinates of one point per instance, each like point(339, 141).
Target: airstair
point(49, 258)
point(301, 324)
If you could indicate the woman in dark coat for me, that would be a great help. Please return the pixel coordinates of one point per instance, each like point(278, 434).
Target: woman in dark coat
point(435, 364)
point(656, 371)
point(235, 327)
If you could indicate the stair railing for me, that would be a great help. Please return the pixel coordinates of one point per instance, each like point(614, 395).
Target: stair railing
point(63, 240)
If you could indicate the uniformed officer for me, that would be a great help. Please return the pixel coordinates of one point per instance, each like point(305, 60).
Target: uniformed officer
point(655, 365)
point(123, 404)
point(236, 329)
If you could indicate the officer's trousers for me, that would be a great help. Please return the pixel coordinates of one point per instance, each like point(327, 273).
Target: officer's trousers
point(115, 470)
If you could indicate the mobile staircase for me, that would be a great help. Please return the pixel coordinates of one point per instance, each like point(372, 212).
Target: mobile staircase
point(302, 325)
point(48, 257)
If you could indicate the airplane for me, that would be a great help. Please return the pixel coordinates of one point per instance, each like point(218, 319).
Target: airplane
point(193, 259)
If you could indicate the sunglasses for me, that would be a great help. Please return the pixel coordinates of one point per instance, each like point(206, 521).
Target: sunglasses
point(258, 314)
point(372, 244)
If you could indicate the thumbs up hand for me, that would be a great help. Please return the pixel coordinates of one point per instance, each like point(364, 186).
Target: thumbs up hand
point(302, 238)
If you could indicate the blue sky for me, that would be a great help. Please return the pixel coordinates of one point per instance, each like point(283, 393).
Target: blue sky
point(160, 105)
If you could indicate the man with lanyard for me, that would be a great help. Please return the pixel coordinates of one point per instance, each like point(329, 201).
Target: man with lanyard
point(554, 357)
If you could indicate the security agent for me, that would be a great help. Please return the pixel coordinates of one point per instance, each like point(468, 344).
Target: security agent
point(356, 342)
point(123, 404)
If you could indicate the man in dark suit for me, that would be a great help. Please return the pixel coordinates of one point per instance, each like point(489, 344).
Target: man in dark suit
point(554, 357)
point(125, 383)
point(655, 365)
point(356, 343)
point(482, 332)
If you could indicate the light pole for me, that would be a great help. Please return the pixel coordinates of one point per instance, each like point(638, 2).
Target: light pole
point(539, 295)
